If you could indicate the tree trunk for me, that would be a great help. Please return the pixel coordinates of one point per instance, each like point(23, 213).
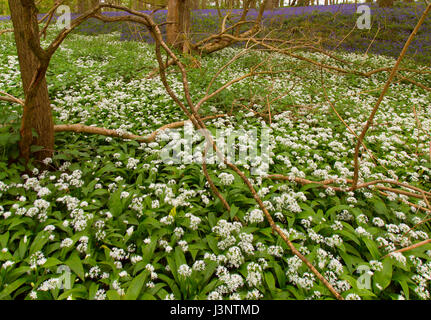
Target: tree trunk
point(385, 3)
point(269, 5)
point(194, 4)
point(94, 3)
point(37, 114)
point(172, 18)
point(141, 5)
point(82, 6)
point(176, 32)
point(138, 5)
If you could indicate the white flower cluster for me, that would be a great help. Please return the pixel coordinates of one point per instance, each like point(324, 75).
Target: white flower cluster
point(289, 201)
point(254, 216)
point(254, 274)
point(226, 178)
point(37, 259)
point(184, 271)
point(194, 221)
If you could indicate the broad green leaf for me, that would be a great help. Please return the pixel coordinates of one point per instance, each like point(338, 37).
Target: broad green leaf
point(270, 281)
point(12, 287)
point(75, 264)
point(372, 247)
point(113, 295)
point(384, 277)
point(50, 262)
point(135, 286)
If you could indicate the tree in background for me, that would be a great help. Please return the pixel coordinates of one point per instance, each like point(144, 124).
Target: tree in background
point(178, 20)
point(84, 5)
point(385, 3)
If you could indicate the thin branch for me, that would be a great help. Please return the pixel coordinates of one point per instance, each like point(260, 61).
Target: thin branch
point(210, 182)
point(10, 98)
point(414, 246)
point(50, 15)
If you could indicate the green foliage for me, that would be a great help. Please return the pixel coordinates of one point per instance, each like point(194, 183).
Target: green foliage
point(128, 226)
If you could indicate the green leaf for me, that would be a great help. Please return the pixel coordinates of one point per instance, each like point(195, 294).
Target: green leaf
point(12, 287)
point(179, 257)
point(384, 277)
point(209, 270)
point(92, 290)
point(39, 241)
point(23, 245)
point(210, 286)
point(4, 239)
point(212, 219)
point(113, 295)
point(371, 245)
point(50, 262)
point(233, 210)
point(212, 243)
point(281, 276)
point(171, 283)
point(135, 286)
point(379, 206)
point(349, 235)
point(270, 281)
point(114, 204)
point(98, 192)
point(75, 263)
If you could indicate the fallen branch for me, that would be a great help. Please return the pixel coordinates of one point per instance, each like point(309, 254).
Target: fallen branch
point(5, 31)
point(414, 246)
point(328, 184)
point(80, 128)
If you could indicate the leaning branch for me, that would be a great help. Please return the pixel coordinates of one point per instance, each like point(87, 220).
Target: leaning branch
point(10, 98)
point(414, 246)
point(80, 128)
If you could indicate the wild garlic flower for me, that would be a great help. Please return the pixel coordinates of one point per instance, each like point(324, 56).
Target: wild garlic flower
point(254, 216)
point(184, 270)
point(226, 178)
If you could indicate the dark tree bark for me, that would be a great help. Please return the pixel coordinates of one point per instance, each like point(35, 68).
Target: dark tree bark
point(37, 113)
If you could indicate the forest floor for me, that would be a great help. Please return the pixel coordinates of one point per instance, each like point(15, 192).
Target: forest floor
point(129, 225)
